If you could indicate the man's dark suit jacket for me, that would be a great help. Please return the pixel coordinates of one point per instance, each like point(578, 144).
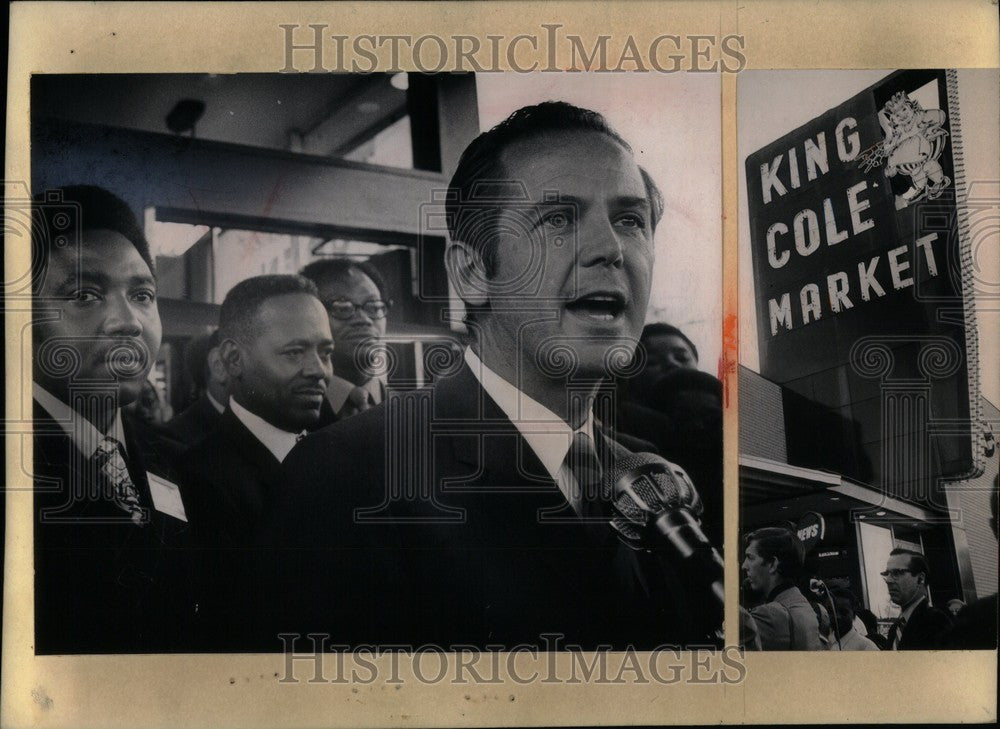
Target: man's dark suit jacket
point(102, 583)
point(196, 422)
point(450, 546)
point(924, 629)
point(227, 481)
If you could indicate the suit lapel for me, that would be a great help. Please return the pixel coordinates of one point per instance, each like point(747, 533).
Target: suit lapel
point(256, 454)
point(512, 490)
point(481, 435)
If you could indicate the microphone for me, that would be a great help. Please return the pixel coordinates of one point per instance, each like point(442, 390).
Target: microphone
point(820, 590)
point(655, 507)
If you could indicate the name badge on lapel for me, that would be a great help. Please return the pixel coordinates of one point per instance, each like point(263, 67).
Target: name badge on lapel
point(166, 496)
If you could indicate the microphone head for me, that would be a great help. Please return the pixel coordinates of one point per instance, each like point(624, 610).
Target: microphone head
point(643, 486)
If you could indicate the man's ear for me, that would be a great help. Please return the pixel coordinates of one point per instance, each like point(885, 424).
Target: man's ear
point(216, 367)
point(231, 357)
point(772, 566)
point(467, 273)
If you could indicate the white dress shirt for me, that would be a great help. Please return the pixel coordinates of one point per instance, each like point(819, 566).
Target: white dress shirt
point(279, 442)
point(219, 407)
point(84, 434)
point(548, 435)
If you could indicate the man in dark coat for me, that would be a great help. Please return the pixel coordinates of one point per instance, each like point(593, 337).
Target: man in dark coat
point(211, 385)
point(275, 342)
point(919, 625)
point(110, 572)
point(472, 513)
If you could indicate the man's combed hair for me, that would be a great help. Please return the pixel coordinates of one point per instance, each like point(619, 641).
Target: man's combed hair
point(781, 543)
point(239, 308)
point(98, 209)
point(480, 177)
point(917, 563)
point(326, 269)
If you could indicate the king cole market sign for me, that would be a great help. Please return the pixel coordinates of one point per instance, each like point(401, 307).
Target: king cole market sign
point(861, 276)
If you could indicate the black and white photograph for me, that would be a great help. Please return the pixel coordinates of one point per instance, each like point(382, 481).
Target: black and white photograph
point(397, 359)
point(492, 363)
point(867, 455)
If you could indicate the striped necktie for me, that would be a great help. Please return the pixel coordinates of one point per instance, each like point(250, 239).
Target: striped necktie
point(588, 499)
point(896, 632)
point(111, 465)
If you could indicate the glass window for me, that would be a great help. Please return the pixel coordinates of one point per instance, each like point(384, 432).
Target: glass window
point(876, 543)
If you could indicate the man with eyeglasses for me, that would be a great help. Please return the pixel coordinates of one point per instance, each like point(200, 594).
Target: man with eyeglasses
point(353, 293)
point(919, 625)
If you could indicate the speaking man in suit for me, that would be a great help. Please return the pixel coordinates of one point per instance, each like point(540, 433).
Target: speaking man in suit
point(472, 512)
point(275, 343)
point(110, 522)
point(919, 625)
point(211, 385)
point(353, 293)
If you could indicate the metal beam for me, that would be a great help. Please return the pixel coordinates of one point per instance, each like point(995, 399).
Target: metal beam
point(234, 186)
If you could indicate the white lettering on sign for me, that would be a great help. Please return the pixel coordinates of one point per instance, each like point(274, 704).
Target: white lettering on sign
point(773, 258)
point(866, 275)
point(780, 313)
point(924, 243)
point(808, 532)
point(808, 235)
point(839, 286)
point(809, 298)
point(806, 221)
point(858, 206)
point(769, 179)
point(816, 160)
point(897, 268)
point(848, 145)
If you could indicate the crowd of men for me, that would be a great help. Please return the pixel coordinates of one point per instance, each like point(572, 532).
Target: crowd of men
point(298, 494)
point(782, 609)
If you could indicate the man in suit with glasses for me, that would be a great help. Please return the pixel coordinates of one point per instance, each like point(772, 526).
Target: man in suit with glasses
point(919, 625)
point(353, 293)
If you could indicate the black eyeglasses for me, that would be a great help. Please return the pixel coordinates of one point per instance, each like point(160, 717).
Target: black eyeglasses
point(344, 309)
point(895, 574)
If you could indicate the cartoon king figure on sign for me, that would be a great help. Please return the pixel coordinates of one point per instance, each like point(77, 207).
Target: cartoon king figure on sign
point(914, 140)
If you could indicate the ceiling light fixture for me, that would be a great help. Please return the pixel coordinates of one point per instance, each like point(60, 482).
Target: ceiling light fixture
point(185, 115)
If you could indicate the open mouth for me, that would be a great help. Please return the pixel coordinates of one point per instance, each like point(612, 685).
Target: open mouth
point(600, 306)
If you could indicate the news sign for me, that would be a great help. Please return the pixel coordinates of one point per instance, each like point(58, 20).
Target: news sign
point(860, 282)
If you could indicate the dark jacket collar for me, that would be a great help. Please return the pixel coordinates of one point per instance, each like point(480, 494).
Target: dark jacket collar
point(244, 442)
